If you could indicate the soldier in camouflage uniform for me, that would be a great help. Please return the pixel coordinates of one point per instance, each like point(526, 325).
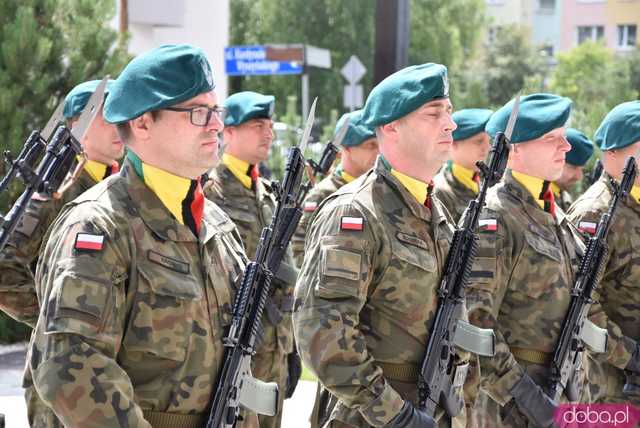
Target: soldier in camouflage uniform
point(137, 277)
point(102, 149)
point(577, 158)
point(618, 137)
point(528, 254)
point(458, 181)
point(18, 259)
point(358, 153)
point(248, 199)
point(366, 294)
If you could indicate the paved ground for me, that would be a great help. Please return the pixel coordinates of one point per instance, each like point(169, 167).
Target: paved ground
point(296, 409)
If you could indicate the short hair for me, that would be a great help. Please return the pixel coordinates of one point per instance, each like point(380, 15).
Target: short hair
point(124, 129)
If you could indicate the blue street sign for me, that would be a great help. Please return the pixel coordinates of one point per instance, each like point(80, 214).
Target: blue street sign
point(251, 60)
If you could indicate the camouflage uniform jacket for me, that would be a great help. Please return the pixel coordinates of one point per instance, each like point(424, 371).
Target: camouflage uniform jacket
point(319, 193)
point(19, 257)
point(366, 297)
point(618, 287)
point(134, 326)
point(453, 194)
point(520, 283)
point(251, 211)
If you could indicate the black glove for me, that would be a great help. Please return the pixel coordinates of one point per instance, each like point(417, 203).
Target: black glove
point(537, 406)
point(294, 366)
point(410, 417)
point(634, 363)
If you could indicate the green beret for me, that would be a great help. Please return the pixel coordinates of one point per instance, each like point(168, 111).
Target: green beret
point(470, 122)
point(581, 147)
point(405, 91)
point(160, 78)
point(248, 105)
point(620, 127)
point(537, 115)
point(357, 133)
point(77, 99)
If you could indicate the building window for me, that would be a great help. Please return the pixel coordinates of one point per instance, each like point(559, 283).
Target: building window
point(627, 36)
point(590, 32)
point(547, 4)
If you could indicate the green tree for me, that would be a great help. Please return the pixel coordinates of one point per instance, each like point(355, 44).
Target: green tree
point(596, 80)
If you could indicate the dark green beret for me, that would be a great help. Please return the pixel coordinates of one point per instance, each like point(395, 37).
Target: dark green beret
point(405, 91)
point(357, 133)
point(470, 122)
point(537, 115)
point(76, 100)
point(581, 147)
point(620, 127)
point(248, 105)
point(160, 78)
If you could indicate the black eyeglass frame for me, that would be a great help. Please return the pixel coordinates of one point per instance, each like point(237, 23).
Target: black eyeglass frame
point(220, 111)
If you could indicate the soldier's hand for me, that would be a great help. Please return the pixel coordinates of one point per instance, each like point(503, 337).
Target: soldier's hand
point(410, 417)
point(294, 366)
point(634, 363)
point(537, 406)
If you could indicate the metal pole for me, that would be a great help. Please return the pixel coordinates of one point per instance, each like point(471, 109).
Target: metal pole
point(305, 96)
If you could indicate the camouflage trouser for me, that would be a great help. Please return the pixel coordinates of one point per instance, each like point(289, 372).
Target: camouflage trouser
point(606, 383)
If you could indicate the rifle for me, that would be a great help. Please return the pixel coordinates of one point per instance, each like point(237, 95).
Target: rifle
point(596, 172)
point(57, 156)
point(236, 385)
point(438, 374)
point(577, 331)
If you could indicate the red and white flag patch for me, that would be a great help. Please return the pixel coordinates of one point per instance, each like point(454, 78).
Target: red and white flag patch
point(89, 241)
point(488, 224)
point(310, 206)
point(352, 223)
point(588, 227)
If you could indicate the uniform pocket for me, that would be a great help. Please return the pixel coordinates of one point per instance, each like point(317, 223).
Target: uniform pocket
point(343, 269)
point(161, 320)
point(544, 263)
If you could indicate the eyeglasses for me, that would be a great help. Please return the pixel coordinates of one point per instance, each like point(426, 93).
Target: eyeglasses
point(201, 115)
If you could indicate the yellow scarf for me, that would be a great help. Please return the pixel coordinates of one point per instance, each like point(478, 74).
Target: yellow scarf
point(532, 184)
point(465, 177)
point(555, 189)
point(416, 187)
point(169, 188)
point(239, 168)
point(635, 193)
point(96, 170)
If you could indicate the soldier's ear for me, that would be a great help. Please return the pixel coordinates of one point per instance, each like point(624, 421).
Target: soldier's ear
point(141, 125)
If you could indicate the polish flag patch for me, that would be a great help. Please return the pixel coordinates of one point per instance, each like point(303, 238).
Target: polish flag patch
point(89, 242)
point(588, 227)
point(489, 224)
point(310, 207)
point(352, 223)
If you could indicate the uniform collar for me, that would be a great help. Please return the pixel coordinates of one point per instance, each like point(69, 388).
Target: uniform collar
point(529, 200)
point(465, 177)
point(239, 168)
point(162, 199)
point(383, 168)
point(555, 189)
point(532, 184)
point(635, 194)
point(99, 171)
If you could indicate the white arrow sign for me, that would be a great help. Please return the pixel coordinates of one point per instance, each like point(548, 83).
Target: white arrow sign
point(353, 70)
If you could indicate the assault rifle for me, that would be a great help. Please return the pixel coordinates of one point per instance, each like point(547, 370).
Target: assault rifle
point(439, 376)
point(577, 331)
point(596, 172)
point(236, 385)
point(45, 161)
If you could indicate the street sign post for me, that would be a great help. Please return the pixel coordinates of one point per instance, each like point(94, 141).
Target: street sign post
point(353, 71)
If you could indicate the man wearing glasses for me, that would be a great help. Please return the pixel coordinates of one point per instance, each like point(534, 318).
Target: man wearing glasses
point(248, 199)
point(136, 279)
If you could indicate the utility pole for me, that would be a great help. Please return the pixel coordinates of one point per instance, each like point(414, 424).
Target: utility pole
point(392, 38)
point(124, 16)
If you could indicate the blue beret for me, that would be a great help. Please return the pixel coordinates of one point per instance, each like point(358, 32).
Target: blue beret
point(77, 99)
point(581, 147)
point(160, 78)
point(405, 91)
point(537, 115)
point(247, 105)
point(357, 133)
point(620, 127)
point(470, 122)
